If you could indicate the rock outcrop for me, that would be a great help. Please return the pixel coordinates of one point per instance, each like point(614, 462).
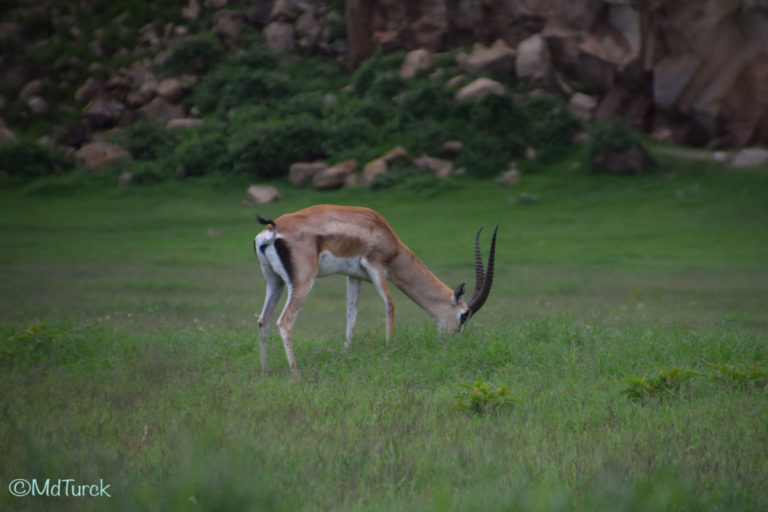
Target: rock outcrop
point(695, 69)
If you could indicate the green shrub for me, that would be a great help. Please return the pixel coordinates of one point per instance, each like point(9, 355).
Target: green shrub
point(196, 55)
point(203, 151)
point(485, 156)
point(549, 126)
point(425, 135)
point(32, 343)
point(385, 85)
point(231, 86)
point(151, 172)
point(148, 140)
point(376, 112)
point(373, 67)
point(308, 102)
point(654, 386)
point(614, 147)
point(257, 58)
point(27, 159)
point(495, 115)
point(266, 150)
point(406, 177)
point(430, 100)
point(743, 375)
point(345, 130)
point(481, 398)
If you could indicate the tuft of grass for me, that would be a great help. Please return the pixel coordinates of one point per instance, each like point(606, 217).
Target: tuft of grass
point(481, 398)
point(742, 375)
point(658, 384)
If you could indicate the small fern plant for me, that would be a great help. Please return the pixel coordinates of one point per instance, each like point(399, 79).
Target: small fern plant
point(481, 398)
point(743, 375)
point(651, 386)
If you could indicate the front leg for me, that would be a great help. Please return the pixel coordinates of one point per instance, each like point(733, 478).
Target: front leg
point(353, 292)
point(378, 277)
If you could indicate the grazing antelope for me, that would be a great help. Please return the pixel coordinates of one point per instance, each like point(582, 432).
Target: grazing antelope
point(322, 240)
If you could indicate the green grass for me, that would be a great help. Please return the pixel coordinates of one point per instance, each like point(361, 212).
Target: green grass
point(144, 372)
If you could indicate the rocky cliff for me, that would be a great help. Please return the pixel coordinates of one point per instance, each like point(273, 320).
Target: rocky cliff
point(695, 71)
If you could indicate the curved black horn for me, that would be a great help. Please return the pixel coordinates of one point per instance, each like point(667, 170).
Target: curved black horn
point(481, 292)
point(479, 272)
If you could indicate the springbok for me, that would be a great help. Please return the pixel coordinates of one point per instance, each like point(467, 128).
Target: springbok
point(321, 240)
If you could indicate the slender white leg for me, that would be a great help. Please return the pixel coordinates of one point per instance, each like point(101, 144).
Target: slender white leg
point(353, 292)
point(275, 288)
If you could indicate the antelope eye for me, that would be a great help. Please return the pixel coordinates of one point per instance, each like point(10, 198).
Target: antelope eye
point(463, 317)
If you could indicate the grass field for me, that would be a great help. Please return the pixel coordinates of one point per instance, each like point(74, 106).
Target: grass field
point(128, 351)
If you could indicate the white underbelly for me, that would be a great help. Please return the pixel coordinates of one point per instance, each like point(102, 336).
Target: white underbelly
point(330, 264)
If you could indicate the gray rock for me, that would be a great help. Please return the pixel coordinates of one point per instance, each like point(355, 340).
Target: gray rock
point(280, 36)
point(162, 109)
point(750, 156)
point(302, 173)
point(262, 194)
point(479, 88)
point(533, 61)
point(415, 61)
point(335, 176)
point(440, 167)
point(97, 155)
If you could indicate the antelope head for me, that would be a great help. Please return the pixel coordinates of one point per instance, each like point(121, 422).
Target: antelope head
point(483, 281)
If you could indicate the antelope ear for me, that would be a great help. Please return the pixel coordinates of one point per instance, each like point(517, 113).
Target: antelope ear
point(459, 293)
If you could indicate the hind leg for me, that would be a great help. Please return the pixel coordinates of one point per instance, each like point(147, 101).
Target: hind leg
point(296, 297)
point(275, 288)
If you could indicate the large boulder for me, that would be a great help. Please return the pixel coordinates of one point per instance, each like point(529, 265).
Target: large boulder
point(440, 167)
point(750, 157)
point(335, 176)
point(280, 36)
point(89, 90)
point(262, 194)
point(499, 57)
point(100, 154)
point(479, 88)
point(161, 109)
point(415, 61)
point(172, 89)
point(373, 170)
point(533, 62)
point(302, 173)
point(103, 112)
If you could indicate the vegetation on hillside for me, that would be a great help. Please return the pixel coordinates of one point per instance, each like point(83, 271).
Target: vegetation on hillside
point(263, 111)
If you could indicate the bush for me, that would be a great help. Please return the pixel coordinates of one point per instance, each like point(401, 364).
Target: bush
point(231, 86)
point(26, 159)
point(431, 100)
point(148, 140)
point(266, 150)
point(151, 172)
point(480, 398)
point(614, 147)
point(194, 55)
point(203, 151)
point(485, 156)
point(257, 58)
point(406, 177)
point(368, 72)
point(550, 127)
